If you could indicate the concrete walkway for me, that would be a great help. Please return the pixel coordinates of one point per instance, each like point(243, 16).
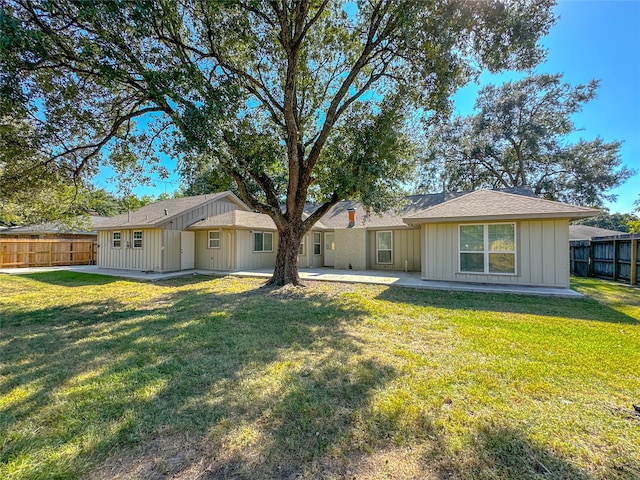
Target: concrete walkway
point(402, 279)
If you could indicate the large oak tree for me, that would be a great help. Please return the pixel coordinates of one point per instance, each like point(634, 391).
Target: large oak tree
point(292, 99)
point(520, 136)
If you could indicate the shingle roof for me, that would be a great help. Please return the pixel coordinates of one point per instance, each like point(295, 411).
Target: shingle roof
point(587, 232)
point(484, 205)
point(154, 214)
point(54, 228)
point(238, 219)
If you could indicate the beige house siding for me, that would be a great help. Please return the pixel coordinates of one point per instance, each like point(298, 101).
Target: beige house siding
point(351, 248)
point(147, 258)
point(246, 258)
point(309, 259)
point(190, 217)
point(222, 258)
point(405, 248)
point(542, 254)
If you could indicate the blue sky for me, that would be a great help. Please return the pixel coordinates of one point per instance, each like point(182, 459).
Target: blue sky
point(592, 39)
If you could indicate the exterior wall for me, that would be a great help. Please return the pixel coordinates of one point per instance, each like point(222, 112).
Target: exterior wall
point(147, 258)
point(351, 248)
point(542, 254)
point(246, 258)
point(405, 248)
point(170, 250)
point(195, 215)
point(309, 259)
point(222, 258)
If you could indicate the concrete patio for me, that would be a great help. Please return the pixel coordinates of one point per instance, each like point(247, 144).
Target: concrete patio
point(376, 277)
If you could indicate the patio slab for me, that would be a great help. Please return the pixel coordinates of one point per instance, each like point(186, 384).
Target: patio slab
point(374, 277)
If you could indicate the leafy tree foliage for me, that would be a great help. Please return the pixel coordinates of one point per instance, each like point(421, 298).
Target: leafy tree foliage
point(634, 225)
point(611, 221)
point(519, 136)
point(277, 95)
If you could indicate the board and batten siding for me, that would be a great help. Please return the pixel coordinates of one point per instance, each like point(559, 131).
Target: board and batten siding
point(542, 254)
point(215, 258)
point(405, 248)
point(190, 217)
point(147, 258)
point(309, 259)
point(246, 258)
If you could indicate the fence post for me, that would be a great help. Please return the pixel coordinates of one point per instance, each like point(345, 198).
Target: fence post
point(634, 262)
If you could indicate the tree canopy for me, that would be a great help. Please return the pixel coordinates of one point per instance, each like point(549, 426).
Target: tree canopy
point(520, 137)
point(293, 100)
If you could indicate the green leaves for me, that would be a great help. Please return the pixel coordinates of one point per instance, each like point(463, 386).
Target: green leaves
point(519, 138)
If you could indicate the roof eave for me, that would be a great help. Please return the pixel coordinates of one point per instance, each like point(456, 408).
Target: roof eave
point(514, 216)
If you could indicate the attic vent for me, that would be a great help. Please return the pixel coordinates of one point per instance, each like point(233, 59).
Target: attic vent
point(166, 212)
point(352, 216)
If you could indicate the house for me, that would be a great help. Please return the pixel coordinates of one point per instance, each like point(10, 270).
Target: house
point(489, 236)
point(486, 236)
point(52, 230)
point(587, 232)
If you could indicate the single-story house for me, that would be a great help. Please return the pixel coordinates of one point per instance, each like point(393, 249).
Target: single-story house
point(587, 232)
point(55, 230)
point(485, 236)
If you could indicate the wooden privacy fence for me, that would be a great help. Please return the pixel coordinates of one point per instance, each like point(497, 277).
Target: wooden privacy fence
point(613, 258)
point(31, 252)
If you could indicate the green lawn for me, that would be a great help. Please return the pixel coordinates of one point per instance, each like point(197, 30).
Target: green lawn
point(215, 378)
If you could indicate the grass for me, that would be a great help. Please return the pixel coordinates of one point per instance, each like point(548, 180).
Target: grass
point(215, 378)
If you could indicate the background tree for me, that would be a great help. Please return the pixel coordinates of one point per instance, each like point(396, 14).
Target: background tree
point(611, 221)
point(634, 225)
point(519, 137)
point(261, 88)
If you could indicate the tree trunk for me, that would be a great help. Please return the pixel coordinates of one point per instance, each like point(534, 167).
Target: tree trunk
point(286, 268)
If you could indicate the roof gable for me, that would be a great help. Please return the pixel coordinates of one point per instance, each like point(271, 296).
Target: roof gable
point(154, 214)
point(484, 205)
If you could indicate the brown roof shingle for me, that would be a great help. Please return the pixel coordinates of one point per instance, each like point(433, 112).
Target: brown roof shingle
point(484, 205)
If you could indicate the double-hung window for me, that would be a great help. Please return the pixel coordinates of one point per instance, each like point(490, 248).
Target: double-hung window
point(214, 239)
point(262, 241)
point(137, 239)
point(116, 240)
point(384, 244)
point(487, 248)
point(317, 243)
point(301, 247)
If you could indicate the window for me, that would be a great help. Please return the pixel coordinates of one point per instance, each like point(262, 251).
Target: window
point(117, 240)
point(301, 247)
point(137, 239)
point(214, 239)
point(262, 241)
point(488, 248)
point(384, 242)
point(317, 243)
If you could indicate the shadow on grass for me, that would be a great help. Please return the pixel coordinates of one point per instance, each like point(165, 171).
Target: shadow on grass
point(580, 309)
point(71, 279)
point(269, 382)
point(505, 453)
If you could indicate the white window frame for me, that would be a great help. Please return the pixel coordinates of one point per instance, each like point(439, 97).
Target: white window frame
point(134, 239)
point(378, 250)
point(114, 240)
point(485, 251)
point(263, 234)
point(301, 249)
point(318, 236)
point(209, 239)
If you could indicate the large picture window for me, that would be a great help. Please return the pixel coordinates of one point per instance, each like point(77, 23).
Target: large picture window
point(116, 241)
point(262, 242)
point(384, 241)
point(214, 239)
point(488, 248)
